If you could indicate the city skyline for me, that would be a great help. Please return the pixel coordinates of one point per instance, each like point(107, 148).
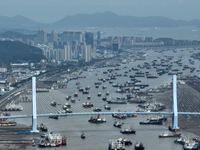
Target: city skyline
point(48, 11)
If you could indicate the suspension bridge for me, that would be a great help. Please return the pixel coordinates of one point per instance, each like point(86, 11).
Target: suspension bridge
point(34, 114)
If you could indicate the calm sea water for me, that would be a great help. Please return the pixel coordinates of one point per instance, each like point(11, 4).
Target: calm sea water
point(185, 33)
point(98, 135)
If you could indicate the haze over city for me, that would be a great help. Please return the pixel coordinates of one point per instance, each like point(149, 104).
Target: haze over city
point(48, 11)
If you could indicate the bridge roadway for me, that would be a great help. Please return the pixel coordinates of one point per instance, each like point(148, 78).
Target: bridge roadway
point(45, 109)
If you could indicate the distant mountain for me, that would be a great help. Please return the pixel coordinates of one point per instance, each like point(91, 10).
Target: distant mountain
point(17, 52)
point(106, 19)
point(109, 19)
point(19, 22)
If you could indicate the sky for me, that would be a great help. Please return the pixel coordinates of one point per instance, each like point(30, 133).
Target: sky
point(49, 11)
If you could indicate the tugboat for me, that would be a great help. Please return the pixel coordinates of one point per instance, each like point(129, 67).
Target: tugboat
point(96, 119)
point(166, 135)
point(82, 135)
point(139, 146)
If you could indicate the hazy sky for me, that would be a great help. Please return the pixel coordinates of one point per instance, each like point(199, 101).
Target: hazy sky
point(49, 11)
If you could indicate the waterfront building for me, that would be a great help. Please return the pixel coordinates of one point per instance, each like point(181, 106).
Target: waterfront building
point(139, 39)
point(3, 69)
point(11, 80)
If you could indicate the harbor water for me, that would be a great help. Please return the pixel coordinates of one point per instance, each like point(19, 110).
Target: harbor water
point(98, 135)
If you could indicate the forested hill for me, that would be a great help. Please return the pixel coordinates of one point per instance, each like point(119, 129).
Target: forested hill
point(17, 52)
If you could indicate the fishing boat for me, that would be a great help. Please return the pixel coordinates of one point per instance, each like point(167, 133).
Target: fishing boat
point(118, 124)
point(99, 94)
point(54, 116)
point(107, 93)
point(53, 103)
point(97, 109)
point(138, 146)
point(116, 144)
point(166, 135)
point(88, 97)
point(191, 145)
point(75, 94)
point(158, 118)
point(181, 140)
point(82, 135)
point(151, 122)
point(87, 105)
point(43, 127)
point(104, 98)
point(73, 100)
point(127, 142)
point(128, 130)
point(53, 140)
point(117, 100)
point(104, 87)
point(107, 107)
point(97, 119)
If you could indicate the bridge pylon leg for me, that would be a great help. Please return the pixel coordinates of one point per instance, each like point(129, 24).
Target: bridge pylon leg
point(34, 117)
point(174, 126)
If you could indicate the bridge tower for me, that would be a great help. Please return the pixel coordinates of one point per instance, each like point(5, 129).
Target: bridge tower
point(174, 126)
point(34, 117)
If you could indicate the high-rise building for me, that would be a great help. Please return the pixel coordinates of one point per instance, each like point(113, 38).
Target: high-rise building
point(79, 37)
point(55, 45)
point(89, 38)
point(68, 52)
point(115, 47)
point(76, 53)
point(54, 36)
point(99, 37)
point(86, 53)
point(42, 36)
